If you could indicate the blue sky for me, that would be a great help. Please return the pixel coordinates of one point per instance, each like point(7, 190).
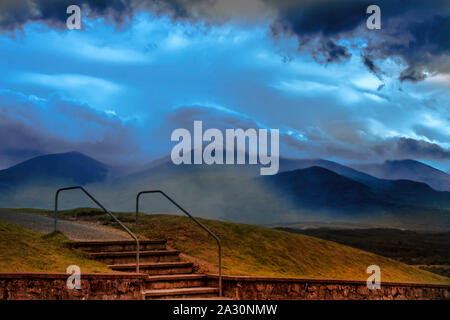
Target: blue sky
point(115, 91)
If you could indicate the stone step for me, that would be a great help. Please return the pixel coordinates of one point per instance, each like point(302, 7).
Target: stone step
point(175, 281)
point(125, 245)
point(199, 292)
point(124, 257)
point(156, 268)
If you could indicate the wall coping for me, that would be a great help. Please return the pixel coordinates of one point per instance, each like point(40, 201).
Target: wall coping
point(129, 275)
point(61, 275)
point(323, 281)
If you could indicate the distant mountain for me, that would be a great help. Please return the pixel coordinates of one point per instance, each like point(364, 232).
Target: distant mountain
point(287, 164)
point(310, 186)
point(392, 190)
point(322, 189)
point(410, 170)
point(70, 168)
point(165, 166)
point(304, 190)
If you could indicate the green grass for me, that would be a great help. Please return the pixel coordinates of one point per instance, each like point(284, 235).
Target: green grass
point(260, 251)
point(23, 250)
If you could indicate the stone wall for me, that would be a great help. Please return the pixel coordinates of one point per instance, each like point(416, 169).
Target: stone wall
point(52, 286)
point(263, 288)
point(126, 286)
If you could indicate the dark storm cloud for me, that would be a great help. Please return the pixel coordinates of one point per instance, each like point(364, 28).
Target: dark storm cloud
point(412, 75)
point(340, 142)
point(332, 52)
point(368, 62)
point(367, 148)
point(15, 13)
point(416, 31)
point(337, 141)
point(31, 127)
point(401, 148)
point(309, 18)
point(422, 149)
point(419, 38)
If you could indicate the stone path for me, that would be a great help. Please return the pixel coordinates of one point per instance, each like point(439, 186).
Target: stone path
point(73, 230)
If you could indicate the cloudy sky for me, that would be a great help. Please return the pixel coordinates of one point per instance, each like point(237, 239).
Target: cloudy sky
point(138, 69)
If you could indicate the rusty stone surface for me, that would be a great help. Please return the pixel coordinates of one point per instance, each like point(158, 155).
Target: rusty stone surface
point(261, 288)
point(126, 286)
point(52, 286)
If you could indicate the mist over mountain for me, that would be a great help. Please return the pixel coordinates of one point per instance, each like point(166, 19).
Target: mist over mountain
point(303, 190)
point(410, 170)
point(322, 189)
point(392, 189)
point(33, 183)
point(71, 167)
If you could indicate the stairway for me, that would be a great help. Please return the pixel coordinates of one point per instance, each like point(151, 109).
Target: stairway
point(168, 276)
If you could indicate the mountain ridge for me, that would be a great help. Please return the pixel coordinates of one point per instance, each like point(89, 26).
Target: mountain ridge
point(72, 167)
point(304, 189)
point(407, 169)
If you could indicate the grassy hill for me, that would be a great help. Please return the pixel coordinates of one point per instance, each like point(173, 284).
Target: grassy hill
point(259, 251)
point(23, 250)
point(253, 250)
point(427, 250)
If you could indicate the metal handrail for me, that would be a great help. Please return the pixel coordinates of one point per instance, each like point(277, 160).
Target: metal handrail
point(190, 216)
point(104, 209)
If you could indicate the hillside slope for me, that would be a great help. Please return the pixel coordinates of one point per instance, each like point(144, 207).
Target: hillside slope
point(257, 251)
point(253, 250)
point(24, 250)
